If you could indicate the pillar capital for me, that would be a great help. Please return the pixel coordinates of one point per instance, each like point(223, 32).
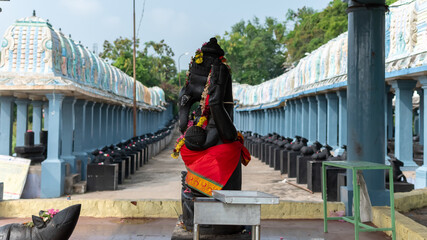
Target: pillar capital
point(81, 102)
point(312, 99)
point(21, 101)
point(423, 81)
point(320, 98)
point(331, 95)
point(37, 103)
point(342, 93)
point(69, 100)
point(55, 96)
point(405, 84)
point(7, 99)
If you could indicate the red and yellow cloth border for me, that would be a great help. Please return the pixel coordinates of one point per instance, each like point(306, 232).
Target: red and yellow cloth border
point(210, 169)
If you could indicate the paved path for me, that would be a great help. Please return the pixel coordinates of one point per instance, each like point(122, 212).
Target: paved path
point(161, 179)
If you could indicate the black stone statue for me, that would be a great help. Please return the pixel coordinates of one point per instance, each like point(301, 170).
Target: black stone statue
point(60, 227)
point(208, 83)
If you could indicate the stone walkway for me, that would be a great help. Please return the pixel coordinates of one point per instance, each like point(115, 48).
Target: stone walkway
point(161, 179)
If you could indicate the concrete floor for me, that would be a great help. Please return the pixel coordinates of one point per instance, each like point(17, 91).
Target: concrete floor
point(161, 229)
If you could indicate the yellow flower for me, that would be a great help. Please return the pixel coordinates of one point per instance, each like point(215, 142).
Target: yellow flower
point(199, 57)
point(201, 121)
point(178, 147)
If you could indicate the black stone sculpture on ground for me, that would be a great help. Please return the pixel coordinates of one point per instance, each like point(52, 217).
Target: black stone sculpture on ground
point(302, 161)
point(29, 150)
point(399, 180)
point(60, 227)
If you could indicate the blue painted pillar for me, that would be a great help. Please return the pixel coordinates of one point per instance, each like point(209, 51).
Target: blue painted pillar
point(88, 128)
point(365, 98)
point(389, 106)
point(312, 119)
point(6, 126)
point(45, 115)
point(255, 122)
point(67, 133)
point(21, 120)
point(281, 121)
point(123, 124)
point(265, 121)
point(321, 118)
point(421, 120)
point(37, 120)
point(304, 118)
point(291, 118)
point(421, 172)
point(53, 168)
point(112, 127)
point(332, 128)
point(130, 125)
point(286, 121)
point(147, 121)
point(81, 135)
point(403, 104)
point(251, 123)
point(298, 109)
point(342, 118)
point(99, 126)
point(95, 125)
point(140, 122)
point(277, 116)
point(107, 129)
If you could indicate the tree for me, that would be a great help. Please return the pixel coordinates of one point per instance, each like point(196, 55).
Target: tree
point(313, 29)
point(154, 64)
point(254, 50)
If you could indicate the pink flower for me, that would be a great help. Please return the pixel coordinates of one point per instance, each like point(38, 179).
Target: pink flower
point(52, 212)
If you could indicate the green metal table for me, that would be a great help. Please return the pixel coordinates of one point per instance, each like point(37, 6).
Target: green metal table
point(358, 225)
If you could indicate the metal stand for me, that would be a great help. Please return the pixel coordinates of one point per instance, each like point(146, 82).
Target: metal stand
point(358, 226)
point(231, 208)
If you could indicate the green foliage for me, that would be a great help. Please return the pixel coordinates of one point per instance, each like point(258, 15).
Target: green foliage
point(388, 2)
point(254, 50)
point(313, 29)
point(154, 64)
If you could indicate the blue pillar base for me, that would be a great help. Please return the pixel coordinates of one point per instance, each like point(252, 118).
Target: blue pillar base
point(85, 160)
point(72, 161)
point(421, 177)
point(411, 165)
point(53, 176)
point(409, 168)
point(346, 196)
point(377, 197)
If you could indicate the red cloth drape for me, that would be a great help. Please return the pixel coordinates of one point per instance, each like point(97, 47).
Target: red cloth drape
point(210, 169)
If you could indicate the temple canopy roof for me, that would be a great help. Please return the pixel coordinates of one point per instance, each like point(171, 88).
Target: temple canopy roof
point(326, 67)
point(34, 55)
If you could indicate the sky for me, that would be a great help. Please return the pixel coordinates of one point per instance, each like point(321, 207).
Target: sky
point(184, 24)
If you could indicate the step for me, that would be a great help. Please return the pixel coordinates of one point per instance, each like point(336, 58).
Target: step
point(80, 187)
point(70, 180)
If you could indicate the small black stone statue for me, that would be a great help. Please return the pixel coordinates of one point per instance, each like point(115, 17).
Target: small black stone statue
point(59, 227)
